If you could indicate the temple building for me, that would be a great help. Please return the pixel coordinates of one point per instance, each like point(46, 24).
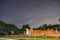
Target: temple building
point(48, 32)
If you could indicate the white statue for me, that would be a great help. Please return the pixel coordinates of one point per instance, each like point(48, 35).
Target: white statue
point(27, 32)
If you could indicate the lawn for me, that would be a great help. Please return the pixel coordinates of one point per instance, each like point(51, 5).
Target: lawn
point(27, 38)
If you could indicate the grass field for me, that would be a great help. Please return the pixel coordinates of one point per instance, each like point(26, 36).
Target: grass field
point(16, 37)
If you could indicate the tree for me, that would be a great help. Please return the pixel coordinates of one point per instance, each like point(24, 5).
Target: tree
point(24, 27)
point(13, 28)
point(50, 26)
point(2, 23)
point(8, 28)
point(59, 21)
point(44, 26)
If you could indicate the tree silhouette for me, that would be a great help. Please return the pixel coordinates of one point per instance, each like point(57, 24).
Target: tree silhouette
point(7, 28)
point(24, 27)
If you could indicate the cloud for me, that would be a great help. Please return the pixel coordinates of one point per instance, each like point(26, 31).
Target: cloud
point(53, 21)
point(50, 21)
point(32, 20)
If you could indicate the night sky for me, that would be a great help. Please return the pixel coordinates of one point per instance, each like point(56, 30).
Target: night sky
point(32, 12)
